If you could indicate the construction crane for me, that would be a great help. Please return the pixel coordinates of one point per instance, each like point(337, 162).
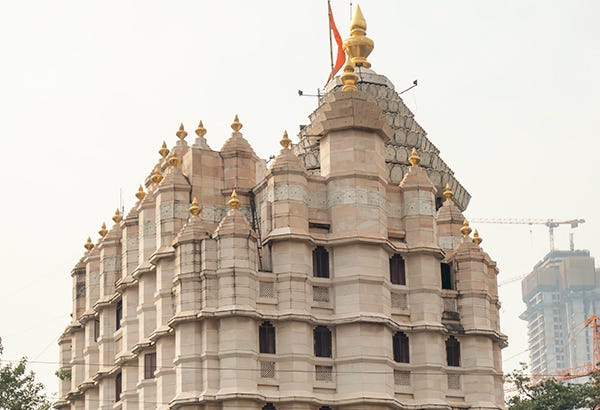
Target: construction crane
point(550, 223)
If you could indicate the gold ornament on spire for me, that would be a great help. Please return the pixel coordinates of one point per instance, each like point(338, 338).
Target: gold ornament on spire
point(349, 78)
point(236, 125)
point(465, 229)
point(156, 176)
point(448, 194)
point(88, 245)
point(103, 231)
point(174, 160)
point(140, 194)
point(358, 46)
point(164, 151)
point(195, 208)
point(200, 131)
point(181, 133)
point(117, 217)
point(285, 141)
point(476, 238)
point(234, 202)
point(414, 158)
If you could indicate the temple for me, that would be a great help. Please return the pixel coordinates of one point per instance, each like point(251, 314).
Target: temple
point(341, 276)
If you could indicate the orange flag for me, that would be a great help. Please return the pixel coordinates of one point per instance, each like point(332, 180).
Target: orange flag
point(341, 55)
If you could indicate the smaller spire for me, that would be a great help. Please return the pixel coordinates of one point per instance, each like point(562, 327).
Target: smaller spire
point(103, 231)
point(140, 194)
point(117, 217)
point(448, 194)
point(195, 208)
point(234, 202)
point(476, 238)
point(156, 176)
point(164, 151)
point(465, 229)
point(181, 133)
point(200, 131)
point(174, 160)
point(285, 141)
point(414, 158)
point(236, 125)
point(88, 245)
point(349, 78)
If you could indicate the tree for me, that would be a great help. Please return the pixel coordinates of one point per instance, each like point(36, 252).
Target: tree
point(18, 388)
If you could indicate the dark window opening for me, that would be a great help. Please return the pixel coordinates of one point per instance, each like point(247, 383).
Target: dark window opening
point(324, 408)
point(119, 314)
point(446, 273)
point(320, 262)
point(118, 387)
point(266, 338)
point(96, 329)
point(439, 201)
point(401, 349)
point(149, 365)
point(322, 336)
point(453, 351)
point(397, 270)
point(269, 406)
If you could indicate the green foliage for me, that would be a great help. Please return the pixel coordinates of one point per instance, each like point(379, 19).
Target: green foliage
point(63, 374)
point(18, 388)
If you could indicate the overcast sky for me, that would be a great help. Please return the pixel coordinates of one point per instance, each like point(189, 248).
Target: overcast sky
point(508, 91)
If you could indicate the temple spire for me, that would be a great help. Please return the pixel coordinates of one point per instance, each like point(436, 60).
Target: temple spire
point(359, 46)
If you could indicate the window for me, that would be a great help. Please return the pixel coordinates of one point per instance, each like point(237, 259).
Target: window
point(119, 314)
point(324, 408)
point(266, 338)
point(400, 346)
point(397, 271)
point(268, 406)
point(452, 351)
point(320, 262)
point(322, 336)
point(149, 365)
point(96, 329)
point(118, 387)
point(446, 276)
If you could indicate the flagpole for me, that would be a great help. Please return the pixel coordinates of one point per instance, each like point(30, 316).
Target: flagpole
point(330, 41)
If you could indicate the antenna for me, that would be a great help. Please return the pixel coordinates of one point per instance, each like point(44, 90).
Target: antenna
point(301, 94)
point(409, 88)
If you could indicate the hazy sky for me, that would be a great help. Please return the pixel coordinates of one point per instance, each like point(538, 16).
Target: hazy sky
point(508, 91)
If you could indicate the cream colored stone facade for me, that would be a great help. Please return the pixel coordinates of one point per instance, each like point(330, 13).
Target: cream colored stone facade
point(193, 295)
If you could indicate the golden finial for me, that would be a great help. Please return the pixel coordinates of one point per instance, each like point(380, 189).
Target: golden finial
point(174, 160)
point(285, 141)
point(181, 133)
point(476, 238)
point(465, 229)
point(448, 194)
point(140, 194)
point(234, 202)
point(88, 245)
point(349, 78)
point(156, 176)
point(414, 158)
point(200, 131)
point(117, 217)
point(195, 209)
point(164, 151)
point(358, 46)
point(103, 231)
point(236, 125)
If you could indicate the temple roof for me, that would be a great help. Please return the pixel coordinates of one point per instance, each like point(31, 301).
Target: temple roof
point(407, 134)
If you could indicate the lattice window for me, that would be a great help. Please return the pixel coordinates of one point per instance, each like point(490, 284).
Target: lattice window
point(401, 378)
point(267, 369)
point(324, 373)
point(450, 305)
point(320, 294)
point(453, 381)
point(266, 290)
point(399, 300)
